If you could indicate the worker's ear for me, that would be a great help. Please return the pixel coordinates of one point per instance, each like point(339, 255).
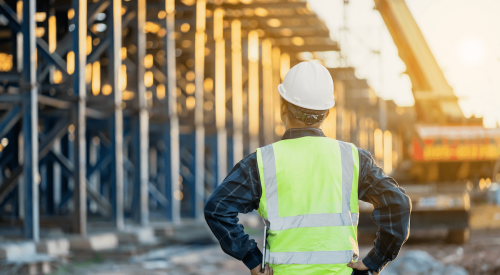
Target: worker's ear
point(327, 113)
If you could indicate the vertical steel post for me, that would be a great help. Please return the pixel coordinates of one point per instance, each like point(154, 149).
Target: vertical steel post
point(382, 122)
point(198, 111)
point(19, 38)
point(339, 107)
point(174, 209)
point(80, 90)
point(114, 54)
point(253, 90)
point(267, 91)
point(51, 36)
point(237, 87)
point(284, 68)
point(276, 62)
point(57, 177)
point(220, 94)
point(30, 123)
point(141, 123)
point(387, 151)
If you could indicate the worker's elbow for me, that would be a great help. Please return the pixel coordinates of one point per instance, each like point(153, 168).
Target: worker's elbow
point(208, 209)
point(407, 206)
point(406, 213)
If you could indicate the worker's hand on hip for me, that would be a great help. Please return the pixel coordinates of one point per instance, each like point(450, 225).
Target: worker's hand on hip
point(359, 265)
point(258, 271)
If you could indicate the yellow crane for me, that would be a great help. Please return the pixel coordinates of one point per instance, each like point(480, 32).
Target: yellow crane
point(435, 101)
point(447, 149)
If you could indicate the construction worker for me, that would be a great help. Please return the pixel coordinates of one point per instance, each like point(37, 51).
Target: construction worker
point(306, 188)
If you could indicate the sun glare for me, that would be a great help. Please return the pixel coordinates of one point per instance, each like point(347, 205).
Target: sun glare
point(471, 51)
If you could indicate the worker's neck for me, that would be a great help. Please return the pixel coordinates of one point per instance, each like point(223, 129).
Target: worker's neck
point(294, 124)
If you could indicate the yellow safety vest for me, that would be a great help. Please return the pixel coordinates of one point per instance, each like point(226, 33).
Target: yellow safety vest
point(310, 203)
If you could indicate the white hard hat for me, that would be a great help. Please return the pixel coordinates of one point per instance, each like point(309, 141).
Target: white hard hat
point(308, 85)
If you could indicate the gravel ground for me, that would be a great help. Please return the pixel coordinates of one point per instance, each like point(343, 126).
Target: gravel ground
point(480, 256)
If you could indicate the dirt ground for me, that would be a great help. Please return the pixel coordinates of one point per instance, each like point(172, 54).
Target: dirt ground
point(480, 256)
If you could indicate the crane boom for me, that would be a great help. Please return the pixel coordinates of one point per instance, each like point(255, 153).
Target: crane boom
point(435, 102)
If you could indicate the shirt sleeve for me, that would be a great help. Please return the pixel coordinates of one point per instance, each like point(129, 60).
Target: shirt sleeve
point(239, 193)
point(391, 212)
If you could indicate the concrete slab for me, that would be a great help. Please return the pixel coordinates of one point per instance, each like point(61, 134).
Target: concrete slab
point(30, 264)
point(138, 235)
point(14, 250)
point(104, 241)
point(54, 247)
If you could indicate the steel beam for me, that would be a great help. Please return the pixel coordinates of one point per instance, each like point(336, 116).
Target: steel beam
point(11, 98)
point(30, 123)
point(10, 77)
point(275, 5)
point(9, 120)
point(171, 134)
point(44, 148)
point(78, 116)
point(39, 42)
point(157, 195)
point(116, 120)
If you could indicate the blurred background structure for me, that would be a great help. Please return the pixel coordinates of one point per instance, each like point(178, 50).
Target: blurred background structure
point(127, 113)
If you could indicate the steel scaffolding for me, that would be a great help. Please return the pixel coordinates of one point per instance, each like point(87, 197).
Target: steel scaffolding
point(128, 111)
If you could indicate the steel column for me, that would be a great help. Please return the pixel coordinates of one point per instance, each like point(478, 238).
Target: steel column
point(220, 94)
point(276, 56)
point(173, 163)
point(30, 123)
point(339, 108)
point(141, 123)
point(79, 120)
point(198, 111)
point(114, 55)
point(267, 91)
point(253, 90)
point(237, 87)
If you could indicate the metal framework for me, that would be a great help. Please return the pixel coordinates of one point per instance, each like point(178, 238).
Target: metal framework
point(135, 110)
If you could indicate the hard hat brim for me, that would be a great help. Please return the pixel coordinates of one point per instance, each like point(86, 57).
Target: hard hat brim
point(283, 93)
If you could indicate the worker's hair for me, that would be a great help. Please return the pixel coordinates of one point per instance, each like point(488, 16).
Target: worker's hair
point(307, 116)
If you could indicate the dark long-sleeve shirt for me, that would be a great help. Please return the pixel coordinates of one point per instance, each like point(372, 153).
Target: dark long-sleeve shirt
point(240, 192)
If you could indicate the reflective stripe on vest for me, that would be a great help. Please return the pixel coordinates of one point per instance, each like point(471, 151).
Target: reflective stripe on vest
point(315, 257)
point(346, 217)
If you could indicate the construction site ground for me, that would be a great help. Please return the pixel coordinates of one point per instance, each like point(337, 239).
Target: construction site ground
point(480, 256)
point(192, 250)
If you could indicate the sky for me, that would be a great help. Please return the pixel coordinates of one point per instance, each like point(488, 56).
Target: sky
point(463, 35)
